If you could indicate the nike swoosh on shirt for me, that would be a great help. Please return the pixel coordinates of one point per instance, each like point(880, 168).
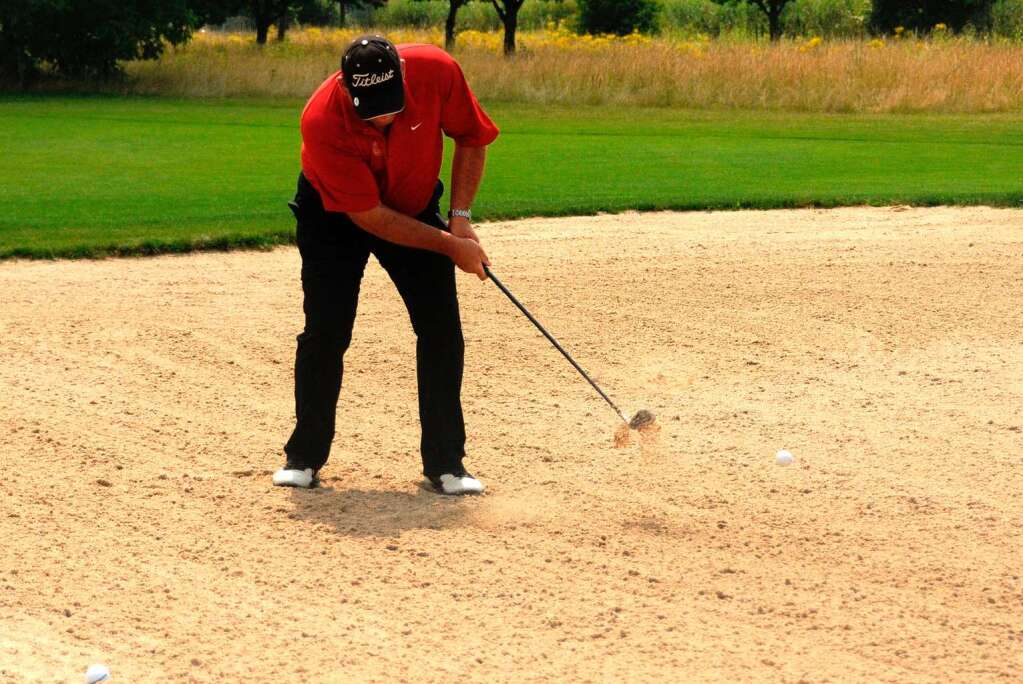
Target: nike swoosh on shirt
point(417, 125)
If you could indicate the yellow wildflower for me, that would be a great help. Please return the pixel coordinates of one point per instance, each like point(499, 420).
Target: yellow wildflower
point(811, 44)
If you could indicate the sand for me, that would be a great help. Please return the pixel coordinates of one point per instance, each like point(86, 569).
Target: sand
point(145, 402)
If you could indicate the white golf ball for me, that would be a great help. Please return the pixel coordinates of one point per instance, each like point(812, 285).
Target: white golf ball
point(97, 673)
point(783, 458)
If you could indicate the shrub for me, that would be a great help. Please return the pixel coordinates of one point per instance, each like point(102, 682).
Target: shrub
point(317, 13)
point(408, 13)
point(742, 19)
point(619, 17)
point(923, 15)
point(690, 17)
point(1007, 19)
point(826, 18)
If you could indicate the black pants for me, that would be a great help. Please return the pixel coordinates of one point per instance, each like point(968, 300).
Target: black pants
point(334, 254)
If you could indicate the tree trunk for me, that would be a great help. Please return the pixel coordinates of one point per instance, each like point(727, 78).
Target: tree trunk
point(342, 15)
point(509, 15)
point(772, 8)
point(774, 21)
point(449, 25)
point(282, 27)
point(511, 22)
point(262, 28)
point(25, 68)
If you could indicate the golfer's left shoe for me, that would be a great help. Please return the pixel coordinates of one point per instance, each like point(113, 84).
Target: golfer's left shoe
point(455, 484)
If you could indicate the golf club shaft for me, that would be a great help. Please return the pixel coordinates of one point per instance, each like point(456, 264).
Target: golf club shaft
point(550, 337)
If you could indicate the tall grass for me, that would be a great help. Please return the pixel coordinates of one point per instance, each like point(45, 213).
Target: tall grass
point(942, 75)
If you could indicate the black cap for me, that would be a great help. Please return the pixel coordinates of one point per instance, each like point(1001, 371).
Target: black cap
point(372, 73)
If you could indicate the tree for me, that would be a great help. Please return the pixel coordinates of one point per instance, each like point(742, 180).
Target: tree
point(316, 13)
point(213, 11)
point(449, 24)
point(343, 5)
point(87, 38)
point(283, 22)
point(283, 13)
point(264, 14)
point(267, 13)
point(924, 15)
point(772, 9)
point(508, 12)
point(19, 40)
point(617, 16)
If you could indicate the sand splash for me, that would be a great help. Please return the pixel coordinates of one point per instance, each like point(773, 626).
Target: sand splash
point(647, 434)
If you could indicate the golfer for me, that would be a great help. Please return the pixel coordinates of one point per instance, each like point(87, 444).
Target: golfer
point(371, 155)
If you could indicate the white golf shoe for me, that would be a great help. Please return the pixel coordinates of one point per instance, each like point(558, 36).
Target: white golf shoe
point(292, 476)
point(456, 484)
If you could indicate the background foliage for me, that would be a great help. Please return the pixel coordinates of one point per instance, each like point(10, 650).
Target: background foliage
point(924, 15)
point(619, 17)
point(85, 39)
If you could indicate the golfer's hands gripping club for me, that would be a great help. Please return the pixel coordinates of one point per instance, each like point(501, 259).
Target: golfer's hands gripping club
point(460, 227)
point(469, 256)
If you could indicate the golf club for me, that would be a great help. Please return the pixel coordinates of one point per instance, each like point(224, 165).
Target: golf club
point(641, 419)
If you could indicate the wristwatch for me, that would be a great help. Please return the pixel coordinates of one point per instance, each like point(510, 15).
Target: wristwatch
point(464, 213)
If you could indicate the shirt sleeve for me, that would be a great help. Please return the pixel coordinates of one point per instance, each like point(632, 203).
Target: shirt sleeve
point(344, 180)
point(462, 118)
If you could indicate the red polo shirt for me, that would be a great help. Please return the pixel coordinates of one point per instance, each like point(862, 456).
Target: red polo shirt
point(355, 167)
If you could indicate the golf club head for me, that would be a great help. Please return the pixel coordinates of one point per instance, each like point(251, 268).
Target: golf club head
point(641, 420)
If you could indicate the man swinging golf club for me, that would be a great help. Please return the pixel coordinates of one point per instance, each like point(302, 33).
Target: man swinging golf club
point(371, 155)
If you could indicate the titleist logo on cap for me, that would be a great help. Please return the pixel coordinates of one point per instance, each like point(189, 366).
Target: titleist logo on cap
point(366, 80)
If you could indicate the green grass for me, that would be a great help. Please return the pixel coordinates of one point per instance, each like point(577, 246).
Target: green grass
point(92, 176)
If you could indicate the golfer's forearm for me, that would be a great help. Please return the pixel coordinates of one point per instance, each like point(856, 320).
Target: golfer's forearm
point(466, 174)
point(400, 229)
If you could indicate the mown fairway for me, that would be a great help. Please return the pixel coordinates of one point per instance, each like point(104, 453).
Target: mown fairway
point(81, 176)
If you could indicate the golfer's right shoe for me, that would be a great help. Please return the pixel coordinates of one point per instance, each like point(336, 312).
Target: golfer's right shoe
point(295, 476)
point(456, 484)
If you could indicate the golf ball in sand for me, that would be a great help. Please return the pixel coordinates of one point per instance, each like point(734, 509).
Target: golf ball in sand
point(97, 673)
point(783, 457)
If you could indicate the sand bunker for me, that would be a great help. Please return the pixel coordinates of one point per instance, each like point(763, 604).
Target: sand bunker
point(145, 403)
